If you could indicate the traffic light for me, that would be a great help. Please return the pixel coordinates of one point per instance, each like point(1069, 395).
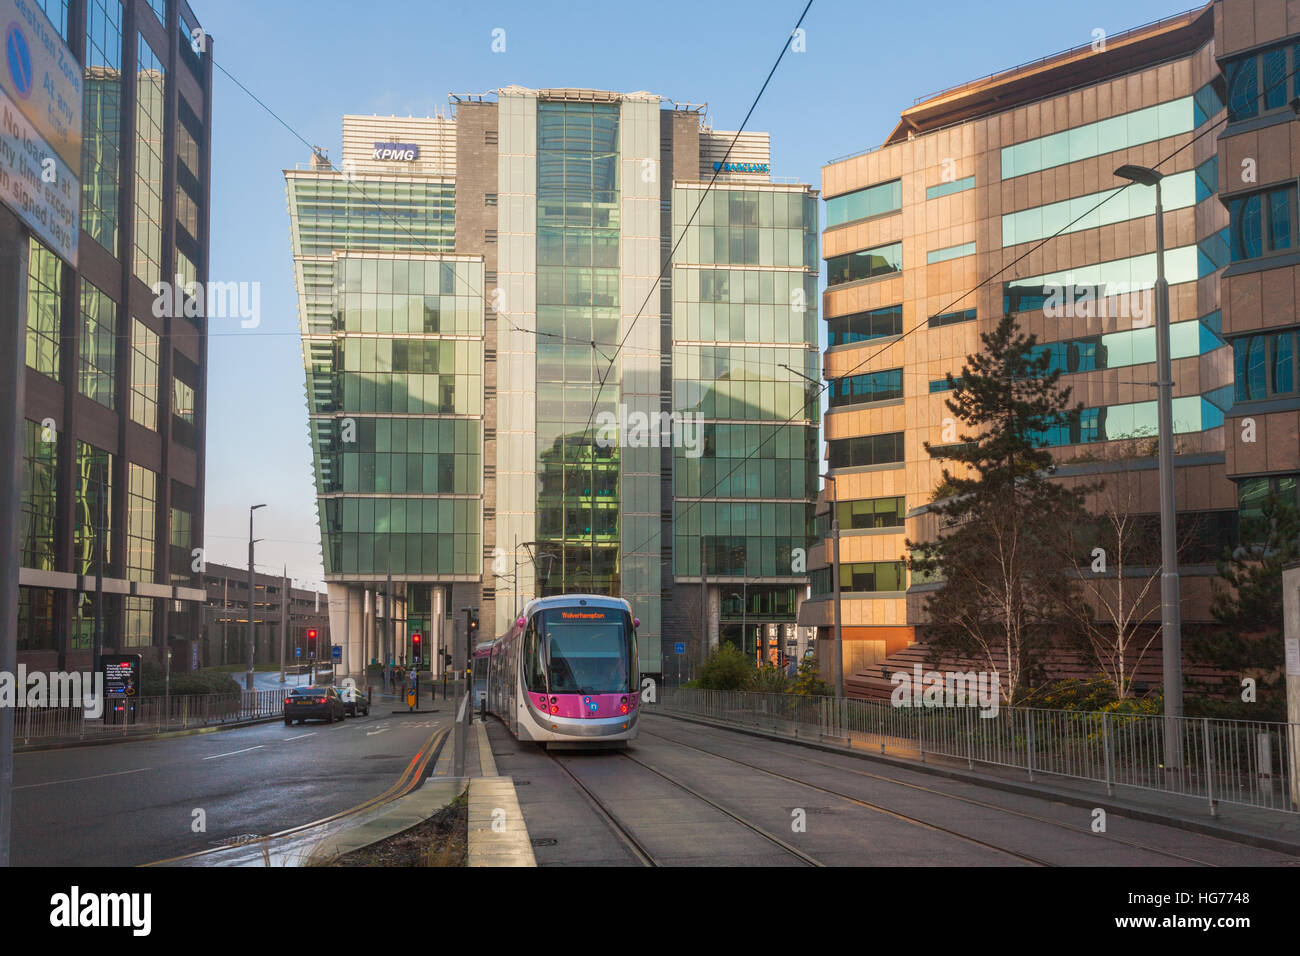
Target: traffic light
point(473, 623)
point(311, 642)
point(446, 659)
point(415, 649)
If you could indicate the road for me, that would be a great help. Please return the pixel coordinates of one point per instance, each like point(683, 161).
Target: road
point(685, 794)
point(131, 803)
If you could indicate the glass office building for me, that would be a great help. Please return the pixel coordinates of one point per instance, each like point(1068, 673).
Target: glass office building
point(492, 299)
point(123, 386)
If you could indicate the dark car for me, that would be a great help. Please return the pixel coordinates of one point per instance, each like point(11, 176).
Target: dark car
point(354, 702)
point(322, 703)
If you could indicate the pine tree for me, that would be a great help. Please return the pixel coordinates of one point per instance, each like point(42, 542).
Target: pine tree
point(1248, 605)
point(1005, 591)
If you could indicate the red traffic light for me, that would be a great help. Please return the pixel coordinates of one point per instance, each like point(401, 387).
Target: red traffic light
point(415, 639)
point(311, 634)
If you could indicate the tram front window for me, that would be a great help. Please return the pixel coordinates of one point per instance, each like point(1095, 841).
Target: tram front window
point(588, 651)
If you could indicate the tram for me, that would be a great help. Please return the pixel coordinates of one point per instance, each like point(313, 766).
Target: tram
point(565, 673)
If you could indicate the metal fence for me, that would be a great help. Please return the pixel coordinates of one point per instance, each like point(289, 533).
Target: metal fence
point(145, 715)
point(1246, 762)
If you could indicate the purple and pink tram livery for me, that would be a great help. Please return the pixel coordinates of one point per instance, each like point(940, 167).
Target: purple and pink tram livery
point(565, 674)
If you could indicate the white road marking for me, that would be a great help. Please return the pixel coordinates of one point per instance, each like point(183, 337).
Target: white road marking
point(300, 736)
point(51, 783)
point(233, 752)
point(371, 733)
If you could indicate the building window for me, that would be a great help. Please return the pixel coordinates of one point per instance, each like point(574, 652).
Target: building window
point(97, 369)
point(864, 326)
point(44, 306)
point(93, 477)
point(951, 252)
point(36, 619)
point(181, 528)
point(40, 471)
point(865, 264)
point(183, 400)
point(947, 189)
point(1264, 365)
point(952, 318)
point(1258, 82)
point(57, 11)
point(159, 8)
point(863, 576)
point(872, 513)
point(141, 522)
point(1262, 223)
point(102, 122)
point(865, 203)
point(866, 450)
point(144, 375)
point(1252, 492)
point(1109, 135)
point(869, 387)
point(1105, 208)
point(150, 105)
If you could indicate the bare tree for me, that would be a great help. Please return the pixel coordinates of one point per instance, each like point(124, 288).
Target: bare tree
point(1116, 563)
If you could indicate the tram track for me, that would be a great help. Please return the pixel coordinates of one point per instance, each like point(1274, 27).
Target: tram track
point(970, 801)
point(896, 814)
point(637, 846)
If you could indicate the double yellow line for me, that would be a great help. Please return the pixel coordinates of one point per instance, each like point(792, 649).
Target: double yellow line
point(407, 782)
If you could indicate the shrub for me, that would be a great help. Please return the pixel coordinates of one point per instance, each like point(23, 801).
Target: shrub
point(726, 669)
point(807, 683)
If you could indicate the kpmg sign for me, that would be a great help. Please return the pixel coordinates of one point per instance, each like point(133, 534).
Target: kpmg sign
point(740, 167)
point(40, 127)
point(396, 152)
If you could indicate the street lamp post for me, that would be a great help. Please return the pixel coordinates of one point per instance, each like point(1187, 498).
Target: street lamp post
point(1170, 612)
point(248, 679)
point(837, 652)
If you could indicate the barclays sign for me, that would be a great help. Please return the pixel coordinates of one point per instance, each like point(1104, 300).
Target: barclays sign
point(396, 152)
point(740, 167)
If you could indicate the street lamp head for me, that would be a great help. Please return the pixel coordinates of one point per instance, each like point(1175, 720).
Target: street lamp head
point(1141, 175)
point(255, 507)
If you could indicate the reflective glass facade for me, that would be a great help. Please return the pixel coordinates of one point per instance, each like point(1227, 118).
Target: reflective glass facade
point(741, 498)
point(149, 142)
point(578, 323)
point(101, 121)
point(44, 309)
point(393, 342)
point(40, 468)
point(865, 203)
point(1106, 136)
point(1111, 206)
point(97, 369)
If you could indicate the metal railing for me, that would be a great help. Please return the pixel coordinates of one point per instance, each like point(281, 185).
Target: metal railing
point(1245, 762)
point(138, 716)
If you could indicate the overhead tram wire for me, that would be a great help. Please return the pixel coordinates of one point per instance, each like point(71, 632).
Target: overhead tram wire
point(424, 245)
point(799, 415)
point(667, 264)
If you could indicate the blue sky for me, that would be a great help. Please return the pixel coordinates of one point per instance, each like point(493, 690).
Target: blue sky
point(312, 62)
